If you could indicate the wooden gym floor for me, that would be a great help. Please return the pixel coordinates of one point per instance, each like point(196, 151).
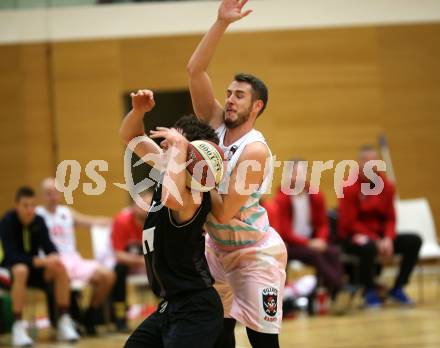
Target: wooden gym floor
point(390, 327)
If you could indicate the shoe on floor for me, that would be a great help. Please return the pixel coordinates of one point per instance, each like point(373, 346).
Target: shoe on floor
point(121, 325)
point(20, 337)
point(66, 331)
point(91, 320)
point(341, 303)
point(372, 300)
point(399, 296)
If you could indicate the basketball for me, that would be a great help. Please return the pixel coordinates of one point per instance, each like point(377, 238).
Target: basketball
point(205, 168)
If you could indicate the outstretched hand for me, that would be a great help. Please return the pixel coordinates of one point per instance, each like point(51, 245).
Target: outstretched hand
point(142, 100)
point(232, 10)
point(171, 136)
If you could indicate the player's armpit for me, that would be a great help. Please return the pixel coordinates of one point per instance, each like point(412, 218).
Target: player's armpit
point(246, 178)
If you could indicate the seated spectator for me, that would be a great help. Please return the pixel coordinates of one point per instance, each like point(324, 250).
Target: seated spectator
point(127, 244)
point(23, 234)
point(367, 227)
point(301, 220)
point(61, 221)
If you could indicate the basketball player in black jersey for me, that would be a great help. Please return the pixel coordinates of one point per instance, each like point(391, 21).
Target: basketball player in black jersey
point(191, 313)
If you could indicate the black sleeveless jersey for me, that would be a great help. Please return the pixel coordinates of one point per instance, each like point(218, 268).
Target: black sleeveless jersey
point(175, 253)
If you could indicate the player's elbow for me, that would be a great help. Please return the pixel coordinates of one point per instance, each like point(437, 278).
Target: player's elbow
point(222, 214)
point(192, 70)
point(189, 68)
point(221, 217)
point(223, 220)
point(124, 136)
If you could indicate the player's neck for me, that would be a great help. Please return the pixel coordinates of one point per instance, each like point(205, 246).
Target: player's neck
point(185, 215)
point(233, 134)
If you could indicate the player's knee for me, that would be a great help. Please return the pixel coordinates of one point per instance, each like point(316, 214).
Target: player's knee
point(98, 277)
point(57, 271)
point(110, 277)
point(415, 241)
point(20, 272)
point(103, 276)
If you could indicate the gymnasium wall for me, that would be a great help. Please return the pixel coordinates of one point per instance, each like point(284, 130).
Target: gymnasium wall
point(26, 124)
point(331, 90)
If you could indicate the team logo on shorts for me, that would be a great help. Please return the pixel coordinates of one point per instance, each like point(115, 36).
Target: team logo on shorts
point(270, 301)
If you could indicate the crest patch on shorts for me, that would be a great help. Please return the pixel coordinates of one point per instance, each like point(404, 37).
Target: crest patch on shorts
point(270, 303)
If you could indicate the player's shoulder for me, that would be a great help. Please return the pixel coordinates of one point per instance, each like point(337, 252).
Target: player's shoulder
point(63, 210)
point(387, 182)
point(9, 217)
point(389, 189)
point(256, 150)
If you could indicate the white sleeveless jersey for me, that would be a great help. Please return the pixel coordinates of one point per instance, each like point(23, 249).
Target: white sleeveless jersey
point(61, 228)
point(251, 223)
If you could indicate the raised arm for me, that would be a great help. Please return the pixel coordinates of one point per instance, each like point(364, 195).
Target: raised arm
point(205, 105)
point(132, 126)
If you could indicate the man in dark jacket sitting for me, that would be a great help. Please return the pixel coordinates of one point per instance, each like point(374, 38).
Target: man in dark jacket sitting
point(23, 234)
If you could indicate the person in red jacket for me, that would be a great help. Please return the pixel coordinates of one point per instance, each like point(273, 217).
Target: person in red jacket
point(367, 227)
point(301, 220)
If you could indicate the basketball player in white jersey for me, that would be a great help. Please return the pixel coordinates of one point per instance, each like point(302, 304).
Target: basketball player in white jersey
point(246, 256)
point(61, 222)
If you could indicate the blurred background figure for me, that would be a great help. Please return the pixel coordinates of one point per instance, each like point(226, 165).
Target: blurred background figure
point(61, 222)
point(301, 220)
point(367, 228)
point(23, 234)
point(127, 244)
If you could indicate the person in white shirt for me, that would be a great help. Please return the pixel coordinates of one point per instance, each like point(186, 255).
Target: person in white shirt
point(61, 222)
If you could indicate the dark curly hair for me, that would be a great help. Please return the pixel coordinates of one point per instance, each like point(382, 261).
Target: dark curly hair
point(195, 129)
